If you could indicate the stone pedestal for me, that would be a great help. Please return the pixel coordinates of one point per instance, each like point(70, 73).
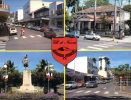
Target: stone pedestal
point(27, 86)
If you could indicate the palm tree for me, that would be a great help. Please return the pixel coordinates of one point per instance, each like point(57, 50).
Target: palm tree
point(100, 59)
point(41, 66)
point(10, 66)
point(94, 60)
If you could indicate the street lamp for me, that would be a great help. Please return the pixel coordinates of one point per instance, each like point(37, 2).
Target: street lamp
point(49, 69)
point(5, 76)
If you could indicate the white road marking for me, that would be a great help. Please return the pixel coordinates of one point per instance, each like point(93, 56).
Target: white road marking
point(70, 91)
point(101, 46)
point(2, 47)
point(79, 91)
point(107, 92)
point(2, 44)
point(39, 35)
point(87, 92)
point(82, 49)
point(32, 36)
point(16, 38)
point(94, 48)
point(116, 93)
point(24, 37)
point(104, 88)
point(97, 92)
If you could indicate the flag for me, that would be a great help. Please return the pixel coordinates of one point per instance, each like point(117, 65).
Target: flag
point(5, 77)
point(49, 76)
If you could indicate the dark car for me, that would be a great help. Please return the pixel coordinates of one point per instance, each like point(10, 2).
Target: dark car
point(49, 33)
point(91, 84)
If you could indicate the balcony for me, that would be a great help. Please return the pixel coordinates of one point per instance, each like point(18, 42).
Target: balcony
point(4, 12)
point(4, 8)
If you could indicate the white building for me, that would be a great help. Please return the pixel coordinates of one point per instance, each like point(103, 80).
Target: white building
point(19, 14)
point(30, 7)
point(56, 14)
point(82, 67)
point(103, 68)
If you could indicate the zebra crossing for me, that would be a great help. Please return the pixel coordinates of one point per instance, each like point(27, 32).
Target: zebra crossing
point(93, 92)
point(2, 45)
point(99, 46)
point(25, 37)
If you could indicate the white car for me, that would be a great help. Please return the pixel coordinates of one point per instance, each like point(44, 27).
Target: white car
point(13, 30)
point(92, 36)
point(71, 85)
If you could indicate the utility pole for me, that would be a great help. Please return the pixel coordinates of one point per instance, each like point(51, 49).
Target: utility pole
point(95, 15)
point(75, 13)
point(115, 15)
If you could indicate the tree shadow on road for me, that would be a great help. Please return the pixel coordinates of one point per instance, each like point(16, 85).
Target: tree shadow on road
point(96, 97)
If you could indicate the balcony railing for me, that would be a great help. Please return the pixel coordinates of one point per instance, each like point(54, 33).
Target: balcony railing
point(4, 6)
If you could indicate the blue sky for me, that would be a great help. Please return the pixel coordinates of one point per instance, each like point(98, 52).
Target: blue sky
point(33, 57)
point(17, 4)
point(116, 57)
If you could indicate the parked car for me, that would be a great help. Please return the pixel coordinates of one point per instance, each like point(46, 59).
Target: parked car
point(91, 84)
point(92, 36)
point(73, 34)
point(49, 33)
point(12, 30)
point(71, 85)
point(101, 82)
point(37, 28)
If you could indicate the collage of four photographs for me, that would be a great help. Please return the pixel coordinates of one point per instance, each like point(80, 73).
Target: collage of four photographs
point(65, 50)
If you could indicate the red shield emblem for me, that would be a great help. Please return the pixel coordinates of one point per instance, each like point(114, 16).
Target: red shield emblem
point(64, 50)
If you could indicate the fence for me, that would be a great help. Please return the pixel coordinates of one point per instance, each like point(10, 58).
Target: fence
point(123, 84)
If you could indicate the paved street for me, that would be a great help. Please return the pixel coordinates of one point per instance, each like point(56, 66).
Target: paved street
point(102, 92)
point(103, 44)
point(32, 40)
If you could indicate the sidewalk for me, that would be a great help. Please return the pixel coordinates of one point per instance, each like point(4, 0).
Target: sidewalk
point(126, 39)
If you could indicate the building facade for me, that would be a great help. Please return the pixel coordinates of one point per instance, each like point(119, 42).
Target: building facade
point(85, 18)
point(103, 68)
point(30, 7)
point(4, 11)
point(82, 68)
point(56, 14)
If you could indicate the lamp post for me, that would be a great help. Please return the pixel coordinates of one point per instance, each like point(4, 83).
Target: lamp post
point(5, 76)
point(49, 74)
point(95, 15)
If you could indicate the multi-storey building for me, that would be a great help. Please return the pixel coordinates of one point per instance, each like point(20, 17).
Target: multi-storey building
point(82, 68)
point(103, 68)
point(30, 7)
point(85, 18)
point(18, 16)
point(56, 14)
point(4, 11)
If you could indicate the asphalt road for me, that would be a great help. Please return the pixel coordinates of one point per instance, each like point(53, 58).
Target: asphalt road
point(32, 40)
point(101, 45)
point(102, 92)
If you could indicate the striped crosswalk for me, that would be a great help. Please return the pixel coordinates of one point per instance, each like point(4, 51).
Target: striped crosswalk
point(105, 92)
point(26, 37)
point(2, 45)
point(99, 46)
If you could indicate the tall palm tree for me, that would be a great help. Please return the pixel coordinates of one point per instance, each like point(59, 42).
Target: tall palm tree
point(94, 60)
point(10, 66)
point(41, 66)
point(100, 59)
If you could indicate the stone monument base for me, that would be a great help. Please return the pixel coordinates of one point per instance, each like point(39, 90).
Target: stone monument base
point(27, 86)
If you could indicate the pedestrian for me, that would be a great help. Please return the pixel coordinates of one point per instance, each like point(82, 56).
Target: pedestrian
point(22, 31)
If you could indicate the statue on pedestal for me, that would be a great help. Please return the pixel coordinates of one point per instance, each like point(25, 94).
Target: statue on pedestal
point(25, 61)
